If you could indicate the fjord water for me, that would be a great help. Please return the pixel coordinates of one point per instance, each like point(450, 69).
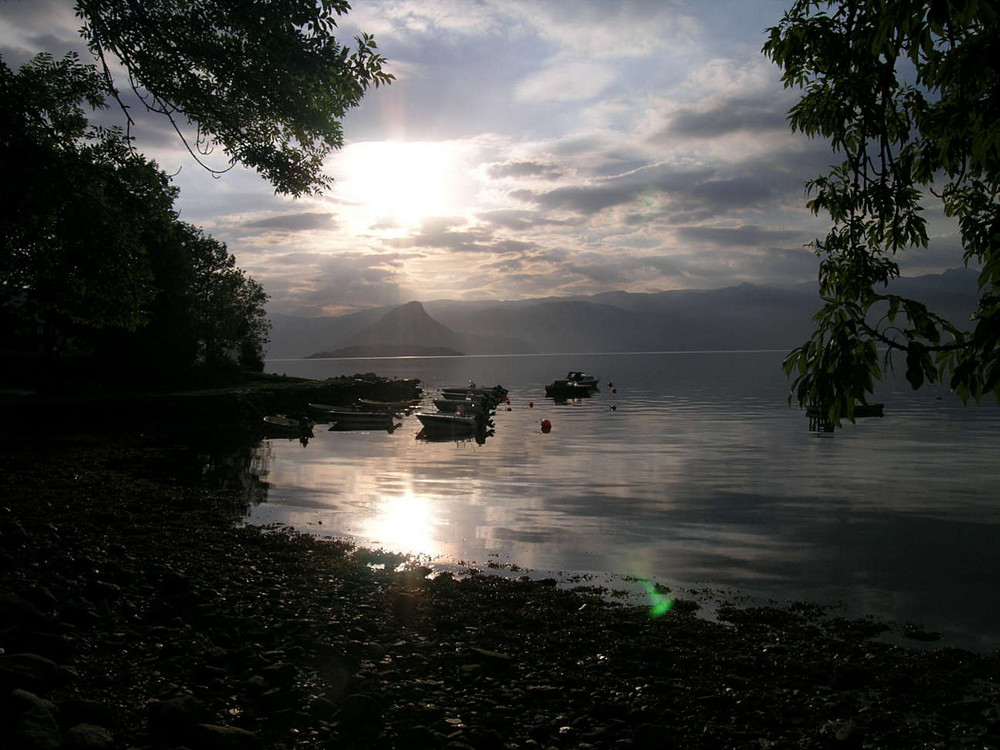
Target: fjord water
point(696, 473)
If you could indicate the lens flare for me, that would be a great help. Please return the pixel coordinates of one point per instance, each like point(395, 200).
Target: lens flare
point(661, 603)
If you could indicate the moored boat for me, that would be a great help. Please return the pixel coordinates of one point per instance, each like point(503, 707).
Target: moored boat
point(346, 418)
point(388, 406)
point(575, 376)
point(278, 424)
point(460, 406)
point(448, 423)
point(563, 389)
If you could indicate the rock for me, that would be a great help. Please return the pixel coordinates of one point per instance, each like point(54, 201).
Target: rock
point(85, 711)
point(218, 737)
point(33, 724)
point(28, 671)
point(360, 708)
point(16, 611)
point(88, 737)
point(174, 717)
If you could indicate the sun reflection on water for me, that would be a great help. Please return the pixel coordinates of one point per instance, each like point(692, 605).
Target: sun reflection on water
point(404, 523)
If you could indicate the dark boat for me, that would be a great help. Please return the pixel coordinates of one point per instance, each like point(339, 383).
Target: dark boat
point(353, 419)
point(575, 376)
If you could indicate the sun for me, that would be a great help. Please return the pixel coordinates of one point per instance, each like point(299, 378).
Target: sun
point(399, 183)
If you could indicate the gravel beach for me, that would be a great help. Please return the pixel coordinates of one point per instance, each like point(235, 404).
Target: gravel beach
point(136, 612)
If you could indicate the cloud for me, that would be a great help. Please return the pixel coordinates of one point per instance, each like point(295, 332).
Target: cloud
point(566, 81)
point(523, 169)
point(298, 222)
point(722, 118)
point(742, 236)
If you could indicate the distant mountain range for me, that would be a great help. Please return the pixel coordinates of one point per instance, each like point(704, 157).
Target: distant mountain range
point(739, 317)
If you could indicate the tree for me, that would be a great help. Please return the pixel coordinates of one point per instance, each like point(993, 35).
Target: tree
point(93, 257)
point(266, 80)
point(76, 198)
point(908, 93)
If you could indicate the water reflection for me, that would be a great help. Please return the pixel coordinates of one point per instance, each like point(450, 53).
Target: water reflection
point(700, 476)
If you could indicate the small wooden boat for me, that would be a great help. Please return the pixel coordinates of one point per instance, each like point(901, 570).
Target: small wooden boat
point(460, 406)
point(448, 423)
point(286, 426)
point(391, 406)
point(346, 418)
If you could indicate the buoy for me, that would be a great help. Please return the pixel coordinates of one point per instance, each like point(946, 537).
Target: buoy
point(614, 390)
point(531, 404)
point(546, 425)
point(614, 408)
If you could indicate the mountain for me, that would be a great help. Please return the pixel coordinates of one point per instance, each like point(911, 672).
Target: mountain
point(738, 317)
point(408, 330)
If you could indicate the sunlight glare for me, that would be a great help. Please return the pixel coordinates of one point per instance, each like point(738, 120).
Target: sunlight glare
point(400, 184)
point(404, 524)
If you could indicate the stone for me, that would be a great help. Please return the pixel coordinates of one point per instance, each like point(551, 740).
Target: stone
point(33, 724)
point(28, 671)
point(174, 717)
point(218, 737)
point(88, 737)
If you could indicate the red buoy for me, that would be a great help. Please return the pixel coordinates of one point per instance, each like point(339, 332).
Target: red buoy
point(546, 425)
point(531, 404)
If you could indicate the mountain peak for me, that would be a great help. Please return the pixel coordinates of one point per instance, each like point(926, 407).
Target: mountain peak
point(409, 325)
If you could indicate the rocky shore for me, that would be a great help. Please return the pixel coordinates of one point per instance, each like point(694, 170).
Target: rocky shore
point(134, 612)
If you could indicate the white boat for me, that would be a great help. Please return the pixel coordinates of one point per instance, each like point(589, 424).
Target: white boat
point(459, 405)
point(448, 423)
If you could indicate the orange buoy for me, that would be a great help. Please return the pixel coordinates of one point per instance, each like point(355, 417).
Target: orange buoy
point(546, 425)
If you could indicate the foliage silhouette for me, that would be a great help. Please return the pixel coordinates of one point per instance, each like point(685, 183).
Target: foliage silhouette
point(908, 93)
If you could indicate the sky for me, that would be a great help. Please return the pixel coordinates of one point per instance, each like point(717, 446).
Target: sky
point(527, 148)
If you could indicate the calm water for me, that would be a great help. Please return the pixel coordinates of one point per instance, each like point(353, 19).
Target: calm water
point(701, 476)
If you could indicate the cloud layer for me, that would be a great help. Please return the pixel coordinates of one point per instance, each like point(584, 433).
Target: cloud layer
point(526, 148)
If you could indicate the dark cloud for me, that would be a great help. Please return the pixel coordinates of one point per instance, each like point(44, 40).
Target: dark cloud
point(730, 116)
point(442, 234)
point(743, 236)
point(301, 222)
point(523, 169)
point(520, 219)
point(304, 283)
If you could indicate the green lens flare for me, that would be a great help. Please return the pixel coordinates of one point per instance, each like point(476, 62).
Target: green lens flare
point(661, 603)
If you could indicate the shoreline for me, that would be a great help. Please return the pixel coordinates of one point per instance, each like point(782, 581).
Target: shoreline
point(136, 613)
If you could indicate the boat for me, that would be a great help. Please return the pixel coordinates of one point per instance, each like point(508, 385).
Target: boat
point(347, 418)
point(460, 406)
point(441, 422)
point(495, 393)
point(564, 389)
point(389, 406)
point(575, 376)
point(860, 410)
point(285, 425)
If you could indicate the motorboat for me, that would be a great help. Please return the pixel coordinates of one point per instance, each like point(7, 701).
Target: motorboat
point(566, 389)
point(575, 376)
